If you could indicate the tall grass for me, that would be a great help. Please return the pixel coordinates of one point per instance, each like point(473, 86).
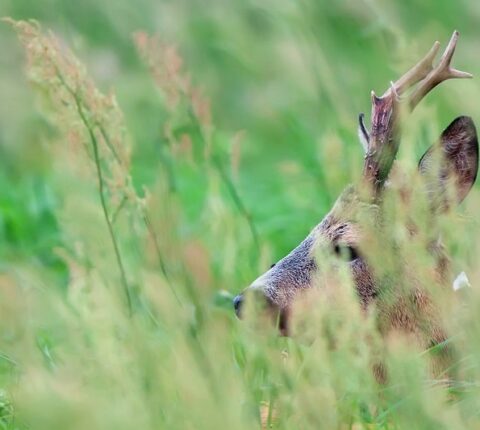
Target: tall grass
point(139, 330)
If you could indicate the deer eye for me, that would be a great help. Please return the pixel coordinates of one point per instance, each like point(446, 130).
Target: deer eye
point(347, 253)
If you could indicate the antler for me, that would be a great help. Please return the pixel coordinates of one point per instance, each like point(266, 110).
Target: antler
point(383, 140)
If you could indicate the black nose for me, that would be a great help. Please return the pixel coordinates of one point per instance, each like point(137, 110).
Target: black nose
point(237, 304)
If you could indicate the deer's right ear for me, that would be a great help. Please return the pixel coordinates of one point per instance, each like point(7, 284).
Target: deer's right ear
point(450, 166)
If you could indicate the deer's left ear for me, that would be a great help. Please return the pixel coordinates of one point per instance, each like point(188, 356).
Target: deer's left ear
point(450, 166)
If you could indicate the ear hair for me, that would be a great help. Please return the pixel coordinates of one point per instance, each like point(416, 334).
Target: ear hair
point(452, 160)
point(363, 134)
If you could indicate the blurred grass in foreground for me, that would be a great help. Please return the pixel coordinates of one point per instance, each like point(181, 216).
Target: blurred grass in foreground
point(225, 157)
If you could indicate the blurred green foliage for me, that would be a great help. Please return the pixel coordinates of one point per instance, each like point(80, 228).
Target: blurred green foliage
point(286, 81)
point(285, 73)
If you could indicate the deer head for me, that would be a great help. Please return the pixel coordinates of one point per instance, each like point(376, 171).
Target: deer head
point(358, 215)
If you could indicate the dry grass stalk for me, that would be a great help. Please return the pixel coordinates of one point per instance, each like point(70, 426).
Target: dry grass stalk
point(88, 118)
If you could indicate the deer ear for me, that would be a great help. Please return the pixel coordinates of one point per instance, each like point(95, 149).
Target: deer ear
point(450, 166)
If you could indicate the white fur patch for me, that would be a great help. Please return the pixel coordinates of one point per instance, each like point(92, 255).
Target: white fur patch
point(461, 281)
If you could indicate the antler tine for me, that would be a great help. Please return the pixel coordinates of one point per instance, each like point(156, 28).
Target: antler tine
point(416, 73)
point(442, 72)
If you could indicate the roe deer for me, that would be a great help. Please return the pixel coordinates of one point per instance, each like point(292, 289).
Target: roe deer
point(447, 169)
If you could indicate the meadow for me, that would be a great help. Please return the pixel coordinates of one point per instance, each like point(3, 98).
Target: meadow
point(156, 157)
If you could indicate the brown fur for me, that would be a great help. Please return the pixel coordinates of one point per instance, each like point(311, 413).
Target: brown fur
point(381, 276)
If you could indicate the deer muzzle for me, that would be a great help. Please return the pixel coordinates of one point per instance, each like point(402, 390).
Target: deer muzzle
point(276, 289)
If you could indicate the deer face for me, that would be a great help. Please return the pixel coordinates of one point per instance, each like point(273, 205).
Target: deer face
point(339, 236)
point(341, 239)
